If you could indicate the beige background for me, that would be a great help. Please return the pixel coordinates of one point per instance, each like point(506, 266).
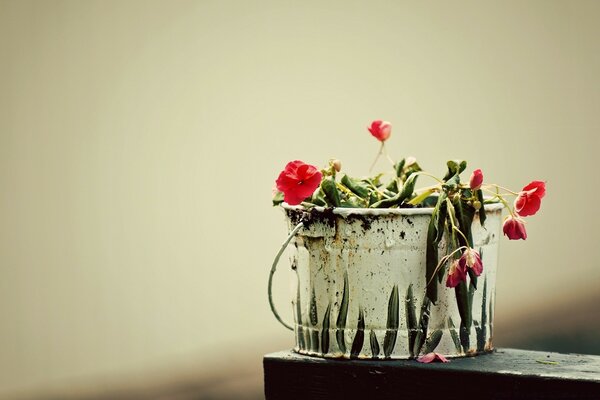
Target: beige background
point(139, 141)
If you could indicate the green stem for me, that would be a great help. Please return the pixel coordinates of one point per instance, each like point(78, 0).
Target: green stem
point(377, 158)
point(499, 197)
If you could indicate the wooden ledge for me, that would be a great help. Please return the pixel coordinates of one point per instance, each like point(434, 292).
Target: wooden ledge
point(505, 374)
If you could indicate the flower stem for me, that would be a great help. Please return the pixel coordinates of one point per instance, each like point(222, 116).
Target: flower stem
point(377, 158)
point(499, 197)
point(503, 188)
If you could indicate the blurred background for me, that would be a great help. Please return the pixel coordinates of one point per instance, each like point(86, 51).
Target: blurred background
point(140, 140)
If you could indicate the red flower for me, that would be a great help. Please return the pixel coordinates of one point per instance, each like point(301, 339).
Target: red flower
point(456, 274)
point(530, 198)
point(476, 180)
point(431, 357)
point(514, 228)
point(380, 129)
point(471, 259)
point(298, 181)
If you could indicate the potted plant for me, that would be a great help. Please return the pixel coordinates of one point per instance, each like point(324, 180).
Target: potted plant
point(384, 269)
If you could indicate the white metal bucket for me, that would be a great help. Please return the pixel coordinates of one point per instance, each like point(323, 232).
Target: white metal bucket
point(360, 285)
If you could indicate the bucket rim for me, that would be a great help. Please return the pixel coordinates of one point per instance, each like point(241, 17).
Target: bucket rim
point(380, 211)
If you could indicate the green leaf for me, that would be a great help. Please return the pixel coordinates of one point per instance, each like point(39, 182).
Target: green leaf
point(408, 188)
point(314, 318)
point(423, 326)
point(411, 319)
point(431, 257)
point(482, 215)
point(315, 340)
point(299, 327)
point(454, 335)
point(329, 188)
point(464, 309)
point(387, 203)
point(359, 339)
point(399, 167)
point(483, 330)
point(374, 344)
point(433, 341)
point(455, 167)
point(325, 331)
point(356, 186)
point(342, 316)
point(278, 198)
point(317, 198)
point(389, 341)
point(420, 198)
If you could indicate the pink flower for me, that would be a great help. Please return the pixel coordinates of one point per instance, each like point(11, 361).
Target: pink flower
point(431, 357)
point(530, 198)
point(298, 181)
point(476, 180)
point(456, 274)
point(471, 259)
point(380, 129)
point(514, 228)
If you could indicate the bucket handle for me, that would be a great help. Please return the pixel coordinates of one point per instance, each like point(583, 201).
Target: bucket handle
point(273, 267)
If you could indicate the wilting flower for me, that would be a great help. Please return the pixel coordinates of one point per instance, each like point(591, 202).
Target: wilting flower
point(530, 198)
point(456, 274)
point(431, 357)
point(298, 181)
point(476, 179)
point(471, 259)
point(380, 129)
point(514, 228)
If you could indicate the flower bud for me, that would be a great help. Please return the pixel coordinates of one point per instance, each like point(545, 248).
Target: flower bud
point(476, 180)
point(381, 130)
point(337, 165)
point(477, 204)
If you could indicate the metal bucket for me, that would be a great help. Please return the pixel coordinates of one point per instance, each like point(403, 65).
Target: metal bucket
point(360, 284)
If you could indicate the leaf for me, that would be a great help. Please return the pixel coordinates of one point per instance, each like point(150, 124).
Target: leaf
point(357, 187)
point(431, 257)
point(315, 340)
point(483, 330)
point(411, 319)
point(482, 216)
point(387, 203)
point(462, 300)
point(332, 196)
point(299, 327)
point(374, 344)
point(359, 339)
point(432, 341)
point(278, 198)
point(314, 318)
point(455, 167)
point(325, 331)
point(454, 335)
point(420, 198)
point(342, 316)
point(399, 167)
point(389, 341)
point(408, 188)
point(423, 326)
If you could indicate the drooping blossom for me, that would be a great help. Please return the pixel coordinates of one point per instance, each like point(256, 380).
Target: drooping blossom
point(298, 181)
point(431, 357)
point(476, 179)
point(530, 198)
point(514, 228)
point(456, 274)
point(380, 129)
point(471, 259)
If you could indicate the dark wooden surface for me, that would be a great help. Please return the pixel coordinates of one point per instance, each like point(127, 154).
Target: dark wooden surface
point(505, 374)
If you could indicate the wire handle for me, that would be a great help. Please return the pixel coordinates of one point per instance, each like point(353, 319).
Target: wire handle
point(274, 267)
